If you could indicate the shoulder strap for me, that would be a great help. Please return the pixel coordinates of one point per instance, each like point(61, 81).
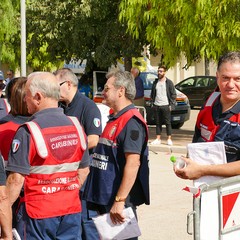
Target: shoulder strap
point(211, 99)
point(80, 132)
point(38, 139)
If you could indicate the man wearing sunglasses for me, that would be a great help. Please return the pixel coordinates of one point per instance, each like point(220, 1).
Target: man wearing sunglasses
point(78, 105)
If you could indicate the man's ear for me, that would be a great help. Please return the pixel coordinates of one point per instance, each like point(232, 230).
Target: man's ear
point(37, 97)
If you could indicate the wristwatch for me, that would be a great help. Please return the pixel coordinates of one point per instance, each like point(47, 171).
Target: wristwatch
point(119, 199)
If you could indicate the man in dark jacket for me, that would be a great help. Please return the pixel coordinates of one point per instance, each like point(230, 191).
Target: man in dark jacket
point(163, 97)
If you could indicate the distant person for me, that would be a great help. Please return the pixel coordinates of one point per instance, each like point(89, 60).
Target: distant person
point(49, 159)
point(84, 86)
point(163, 96)
point(4, 105)
point(119, 174)
point(77, 104)
point(219, 120)
point(139, 98)
point(10, 76)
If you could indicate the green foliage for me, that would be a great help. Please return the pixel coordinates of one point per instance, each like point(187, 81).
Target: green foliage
point(9, 26)
point(87, 29)
point(195, 28)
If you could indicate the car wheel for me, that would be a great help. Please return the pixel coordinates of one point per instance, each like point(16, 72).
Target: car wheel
point(177, 125)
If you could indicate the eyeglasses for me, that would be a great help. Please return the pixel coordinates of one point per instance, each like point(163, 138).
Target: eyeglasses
point(60, 84)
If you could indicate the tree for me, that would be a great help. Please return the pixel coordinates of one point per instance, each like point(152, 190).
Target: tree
point(89, 29)
point(9, 27)
point(200, 28)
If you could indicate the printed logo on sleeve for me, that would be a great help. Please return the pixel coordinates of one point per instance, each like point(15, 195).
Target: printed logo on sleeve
point(96, 122)
point(15, 145)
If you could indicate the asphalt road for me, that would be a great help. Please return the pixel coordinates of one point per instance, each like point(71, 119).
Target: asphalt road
point(166, 217)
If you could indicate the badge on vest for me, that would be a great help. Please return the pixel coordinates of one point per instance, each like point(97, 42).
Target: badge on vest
point(206, 133)
point(15, 145)
point(112, 131)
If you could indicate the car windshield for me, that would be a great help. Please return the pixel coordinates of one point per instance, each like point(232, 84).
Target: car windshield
point(148, 79)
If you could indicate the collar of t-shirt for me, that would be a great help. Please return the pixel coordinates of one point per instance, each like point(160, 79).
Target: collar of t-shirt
point(112, 117)
point(218, 116)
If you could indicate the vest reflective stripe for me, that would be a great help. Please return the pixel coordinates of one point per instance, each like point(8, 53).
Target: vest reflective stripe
point(40, 142)
point(49, 169)
point(38, 139)
point(80, 131)
point(212, 98)
point(107, 142)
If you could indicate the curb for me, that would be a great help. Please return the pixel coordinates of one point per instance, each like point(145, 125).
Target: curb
point(165, 148)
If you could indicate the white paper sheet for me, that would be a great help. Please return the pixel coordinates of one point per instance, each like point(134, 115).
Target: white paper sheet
point(109, 231)
point(207, 153)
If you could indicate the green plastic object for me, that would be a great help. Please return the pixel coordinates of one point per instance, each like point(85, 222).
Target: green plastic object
point(173, 159)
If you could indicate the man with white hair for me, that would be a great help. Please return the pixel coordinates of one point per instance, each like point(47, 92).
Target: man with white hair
point(49, 159)
point(139, 97)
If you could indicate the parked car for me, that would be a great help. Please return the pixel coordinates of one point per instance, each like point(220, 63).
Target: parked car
point(197, 88)
point(179, 115)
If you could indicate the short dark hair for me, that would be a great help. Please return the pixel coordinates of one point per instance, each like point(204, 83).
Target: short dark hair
point(232, 57)
point(163, 66)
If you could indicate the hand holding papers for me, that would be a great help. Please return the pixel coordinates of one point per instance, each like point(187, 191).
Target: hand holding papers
point(207, 153)
point(109, 231)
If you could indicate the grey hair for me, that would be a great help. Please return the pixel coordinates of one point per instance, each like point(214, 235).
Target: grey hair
point(232, 57)
point(46, 83)
point(66, 74)
point(124, 79)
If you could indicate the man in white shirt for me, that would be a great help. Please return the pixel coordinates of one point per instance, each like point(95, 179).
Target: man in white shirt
point(163, 97)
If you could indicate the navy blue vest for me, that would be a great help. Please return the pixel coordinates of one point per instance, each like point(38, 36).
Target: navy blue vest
point(106, 170)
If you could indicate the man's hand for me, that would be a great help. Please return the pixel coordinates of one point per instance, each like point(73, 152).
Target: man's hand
point(191, 171)
point(116, 213)
point(82, 175)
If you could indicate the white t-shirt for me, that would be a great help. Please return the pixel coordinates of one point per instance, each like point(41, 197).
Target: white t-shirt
point(161, 94)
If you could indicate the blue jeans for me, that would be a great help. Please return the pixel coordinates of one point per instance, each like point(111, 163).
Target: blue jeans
point(58, 228)
point(89, 231)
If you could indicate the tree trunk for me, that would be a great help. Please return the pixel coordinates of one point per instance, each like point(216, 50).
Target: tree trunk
point(128, 63)
point(207, 71)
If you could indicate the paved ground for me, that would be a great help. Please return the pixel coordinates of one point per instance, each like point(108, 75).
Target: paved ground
point(166, 217)
point(181, 137)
